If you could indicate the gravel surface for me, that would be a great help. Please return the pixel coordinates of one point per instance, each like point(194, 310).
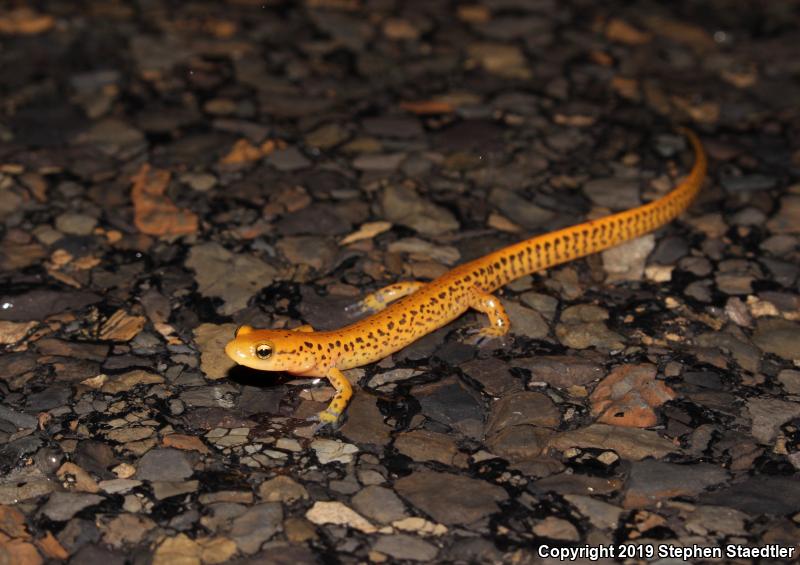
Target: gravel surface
point(171, 170)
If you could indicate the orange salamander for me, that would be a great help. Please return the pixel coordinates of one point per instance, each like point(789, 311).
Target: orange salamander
point(405, 311)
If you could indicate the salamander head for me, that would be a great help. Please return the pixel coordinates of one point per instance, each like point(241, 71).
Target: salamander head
point(272, 350)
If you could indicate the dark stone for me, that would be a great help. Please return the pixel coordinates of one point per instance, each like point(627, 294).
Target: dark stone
point(260, 400)
point(451, 403)
point(55, 396)
point(758, 495)
point(494, 375)
point(450, 499)
point(164, 465)
point(39, 304)
point(95, 457)
point(98, 555)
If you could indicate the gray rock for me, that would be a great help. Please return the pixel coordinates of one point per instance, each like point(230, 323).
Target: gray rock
point(316, 219)
point(790, 379)
point(774, 495)
point(19, 419)
point(164, 465)
point(514, 409)
point(778, 336)
point(626, 262)
point(494, 375)
point(601, 514)
point(613, 193)
point(379, 504)
point(61, 506)
point(451, 403)
point(519, 210)
point(39, 304)
point(651, 481)
point(405, 547)
point(256, 525)
point(365, 423)
point(525, 321)
point(393, 127)
point(518, 443)
point(785, 221)
point(288, 159)
point(402, 205)
point(425, 445)
point(629, 443)
point(768, 415)
point(748, 183)
point(560, 371)
point(74, 223)
point(449, 498)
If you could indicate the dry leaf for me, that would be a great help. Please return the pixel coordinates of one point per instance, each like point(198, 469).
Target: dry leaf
point(13, 332)
point(24, 21)
point(366, 231)
point(426, 107)
point(51, 547)
point(154, 213)
point(121, 326)
point(623, 32)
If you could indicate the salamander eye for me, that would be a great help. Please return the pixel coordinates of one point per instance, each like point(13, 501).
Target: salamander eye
point(263, 350)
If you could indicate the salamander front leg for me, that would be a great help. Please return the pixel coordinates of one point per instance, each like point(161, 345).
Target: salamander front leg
point(304, 328)
point(498, 319)
point(378, 300)
point(343, 394)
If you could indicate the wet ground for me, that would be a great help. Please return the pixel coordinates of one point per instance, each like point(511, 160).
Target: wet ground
point(170, 170)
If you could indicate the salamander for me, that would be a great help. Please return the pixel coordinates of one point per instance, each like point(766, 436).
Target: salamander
point(405, 311)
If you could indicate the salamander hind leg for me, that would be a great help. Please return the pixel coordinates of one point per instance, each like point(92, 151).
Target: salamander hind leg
point(343, 394)
point(378, 300)
point(490, 305)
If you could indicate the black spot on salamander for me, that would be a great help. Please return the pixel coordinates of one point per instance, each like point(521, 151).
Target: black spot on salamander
point(319, 346)
point(308, 344)
point(390, 325)
point(482, 271)
point(370, 335)
point(442, 295)
point(359, 340)
point(467, 278)
point(346, 347)
point(434, 301)
point(401, 321)
point(497, 264)
point(338, 343)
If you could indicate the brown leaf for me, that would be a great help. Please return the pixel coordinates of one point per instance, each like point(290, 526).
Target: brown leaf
point(13, 332)
point(623, 32)
point(51, 547)
point(121, 326)
point(366, 231)
point(427, 107)
point(12, 522)
point(154, 213)
point(24, 21)
point(245, 152)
